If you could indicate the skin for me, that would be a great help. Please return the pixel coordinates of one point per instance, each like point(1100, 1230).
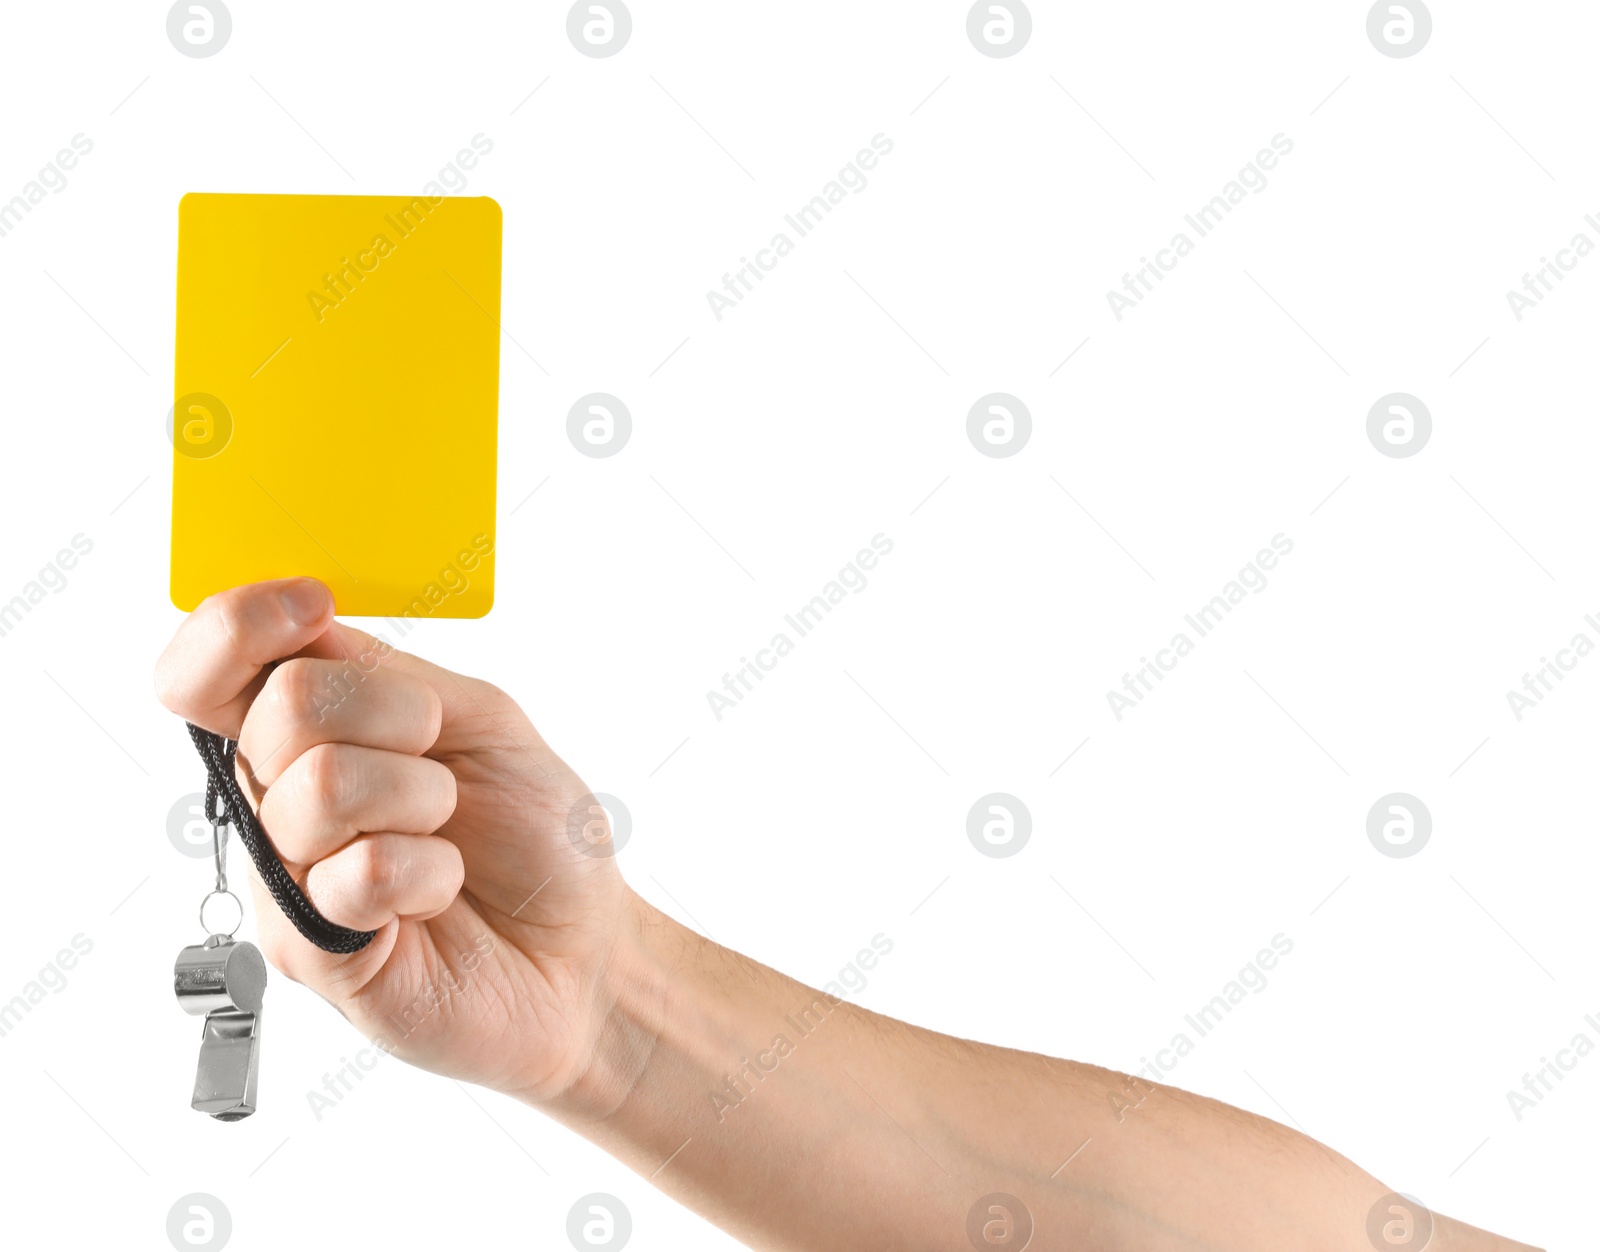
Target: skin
point(422, 804)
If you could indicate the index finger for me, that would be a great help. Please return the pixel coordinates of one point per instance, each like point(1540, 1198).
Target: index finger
point(216, 663)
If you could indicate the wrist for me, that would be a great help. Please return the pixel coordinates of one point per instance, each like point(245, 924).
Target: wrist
point(623, 998)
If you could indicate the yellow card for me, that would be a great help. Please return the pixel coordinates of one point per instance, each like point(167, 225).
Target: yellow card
point(336, 392)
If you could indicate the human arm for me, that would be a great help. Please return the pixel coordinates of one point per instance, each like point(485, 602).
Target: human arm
point(510, 952)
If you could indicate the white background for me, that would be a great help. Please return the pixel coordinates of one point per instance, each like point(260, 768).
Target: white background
point(1228, 807)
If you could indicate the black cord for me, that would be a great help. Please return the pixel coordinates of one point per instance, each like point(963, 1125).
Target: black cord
point(218, 754)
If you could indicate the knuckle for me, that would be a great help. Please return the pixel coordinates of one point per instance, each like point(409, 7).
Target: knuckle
point(225, 609)
point(432, 716)
point(376, 866)
point(489, 694)
point(291, 690)
point(329, 777)
point(444, 795)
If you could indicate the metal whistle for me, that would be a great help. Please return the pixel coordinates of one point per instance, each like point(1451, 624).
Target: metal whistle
point(226, 980)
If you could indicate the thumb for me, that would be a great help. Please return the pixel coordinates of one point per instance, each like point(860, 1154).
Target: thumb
point(217, 661)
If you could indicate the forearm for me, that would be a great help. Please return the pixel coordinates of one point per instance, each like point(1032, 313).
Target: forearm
point(800, 1122)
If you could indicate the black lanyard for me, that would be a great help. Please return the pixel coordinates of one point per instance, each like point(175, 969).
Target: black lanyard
point(218, 754)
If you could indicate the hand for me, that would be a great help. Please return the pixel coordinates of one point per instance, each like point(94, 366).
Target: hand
point(422, 804)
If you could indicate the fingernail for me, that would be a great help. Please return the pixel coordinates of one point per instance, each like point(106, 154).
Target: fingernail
point(305, 600)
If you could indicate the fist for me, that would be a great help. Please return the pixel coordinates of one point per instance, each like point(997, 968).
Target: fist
point(420, 804)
